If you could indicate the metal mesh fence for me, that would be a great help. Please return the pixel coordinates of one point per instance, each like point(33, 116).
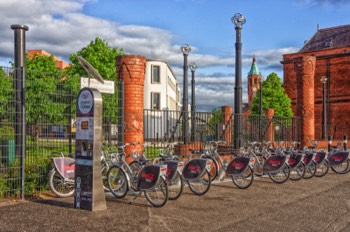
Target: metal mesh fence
point(50, 101)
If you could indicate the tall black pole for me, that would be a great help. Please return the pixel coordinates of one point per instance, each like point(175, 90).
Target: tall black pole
point(324, 111)
point(185, 50)
point(20, 63)
point(193, 103)
point(260, 109)
point(238, 19)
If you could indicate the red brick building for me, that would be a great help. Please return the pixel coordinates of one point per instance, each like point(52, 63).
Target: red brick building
point(326, 54)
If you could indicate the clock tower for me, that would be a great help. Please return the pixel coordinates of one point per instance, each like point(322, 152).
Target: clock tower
point(254, 78)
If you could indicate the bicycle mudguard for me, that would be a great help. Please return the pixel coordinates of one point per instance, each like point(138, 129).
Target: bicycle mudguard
point(195, 168)
point(338, 157)
point(274, 163)
point(65, 166)
point(319, 157)
point(294, 160)
point(150, 174)
point(308, 158)
point(237, 165)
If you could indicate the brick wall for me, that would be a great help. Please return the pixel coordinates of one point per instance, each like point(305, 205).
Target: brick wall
point(335, 65)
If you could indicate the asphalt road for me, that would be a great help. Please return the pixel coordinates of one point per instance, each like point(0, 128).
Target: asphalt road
point(318, 204)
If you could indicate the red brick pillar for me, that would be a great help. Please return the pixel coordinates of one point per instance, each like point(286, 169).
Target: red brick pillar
point(131, 69)
point(305, 71)
point(269, 113)
point(227, 121)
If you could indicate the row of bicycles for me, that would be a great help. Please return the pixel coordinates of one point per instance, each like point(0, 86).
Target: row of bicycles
point(163, 178)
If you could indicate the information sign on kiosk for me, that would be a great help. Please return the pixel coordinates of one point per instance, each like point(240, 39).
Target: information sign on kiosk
point(89, 192)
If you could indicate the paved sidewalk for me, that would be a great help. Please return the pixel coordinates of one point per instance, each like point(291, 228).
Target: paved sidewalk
point(318, 204)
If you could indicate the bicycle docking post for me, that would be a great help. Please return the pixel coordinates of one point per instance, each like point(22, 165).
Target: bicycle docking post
point(89, 192)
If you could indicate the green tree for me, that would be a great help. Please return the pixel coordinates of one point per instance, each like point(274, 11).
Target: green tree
point(6, 95)
point(102, 57)
point(273, 96)
point(42, 79)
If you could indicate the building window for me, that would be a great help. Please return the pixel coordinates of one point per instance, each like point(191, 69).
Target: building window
point(155, 74)
point(155, 101)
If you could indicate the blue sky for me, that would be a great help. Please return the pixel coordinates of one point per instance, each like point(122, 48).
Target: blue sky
point(157, 29)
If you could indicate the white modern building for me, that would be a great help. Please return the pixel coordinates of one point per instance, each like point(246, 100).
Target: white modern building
point(161, 89)
point(161, 101)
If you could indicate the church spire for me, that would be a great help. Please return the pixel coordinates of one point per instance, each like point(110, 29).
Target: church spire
point(254, 69)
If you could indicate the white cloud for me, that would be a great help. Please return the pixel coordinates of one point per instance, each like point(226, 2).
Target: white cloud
point(61, 28)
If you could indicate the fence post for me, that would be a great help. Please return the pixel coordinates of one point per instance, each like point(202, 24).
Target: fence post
point(329, 143)
point(20, 62)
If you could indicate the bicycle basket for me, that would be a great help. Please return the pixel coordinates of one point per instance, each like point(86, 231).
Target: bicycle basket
point(274, 163)
point(149, 176)
point(294, 160)
point(194, 169)
point(172, 168)
point(238, 165)
point(337, 158)
point(308, 158)
point(65, 166)
point(319, 157)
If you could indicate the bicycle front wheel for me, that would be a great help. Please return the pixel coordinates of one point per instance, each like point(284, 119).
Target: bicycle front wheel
point(201, 185)
point(281, 176)
point(158, 195)
point(297, 173)
point(342, 168)
point(310, 170)
point(104, 170)
point(322, 168)
point(60, 186)
point(244, 180)
point(117, 182)
point(175, 187)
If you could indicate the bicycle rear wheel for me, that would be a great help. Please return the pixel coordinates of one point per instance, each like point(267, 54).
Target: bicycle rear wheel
point(244, 180)
point(298, 173)
point(60, 186)
point(310, 170)
point(175, 187)
point(281, 176)
point(341, 168)
point(322, 168)
point(158, 195)
point(117, 182)
point(201, 185)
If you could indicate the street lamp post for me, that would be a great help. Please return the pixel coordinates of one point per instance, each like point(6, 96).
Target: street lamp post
point(324, 123)
point(193, 67)
point(185, 51)
point(260, 108)
point(238, 19)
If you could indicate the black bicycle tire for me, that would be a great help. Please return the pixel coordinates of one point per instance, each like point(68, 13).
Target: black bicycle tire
point(205, 190)
point(271, 175)
point(53, 172)
point(345, 171)
point(251, 177)
point(322, 173)
point(123, 176)
point(179, 192)
point(307, 170)
point(166, 192)
point(301, 176)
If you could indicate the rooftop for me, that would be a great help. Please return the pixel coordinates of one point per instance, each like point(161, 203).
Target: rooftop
point(332, 37)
